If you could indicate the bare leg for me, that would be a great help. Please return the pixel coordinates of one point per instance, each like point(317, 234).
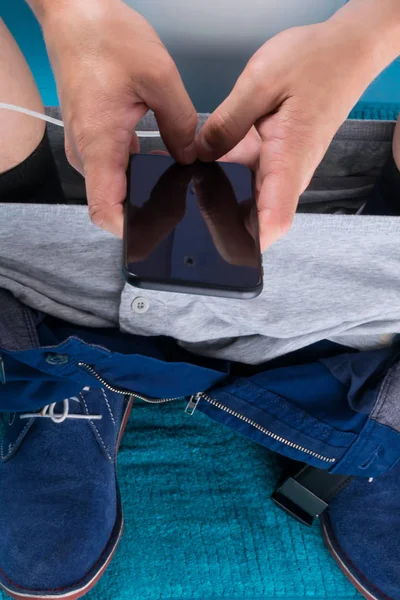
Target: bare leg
point(19, 134)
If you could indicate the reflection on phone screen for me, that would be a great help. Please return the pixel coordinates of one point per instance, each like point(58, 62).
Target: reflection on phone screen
point(194, 224)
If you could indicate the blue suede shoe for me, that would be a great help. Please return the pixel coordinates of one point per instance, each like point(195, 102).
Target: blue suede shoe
point(60, 509)
point(361, 528)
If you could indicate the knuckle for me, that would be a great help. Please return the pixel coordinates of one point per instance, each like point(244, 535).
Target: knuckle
point(223, 127)
point(161, 72)
point(187, 122)
point(255, 68)
point(191, 122)
point(87, 124)
point(295, 125)
point(255, 76)
point(83, 138)
point(99, 192)
point(279, 166)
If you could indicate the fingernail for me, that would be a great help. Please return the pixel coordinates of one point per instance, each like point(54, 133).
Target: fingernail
point(268, 235)
point(96, 216)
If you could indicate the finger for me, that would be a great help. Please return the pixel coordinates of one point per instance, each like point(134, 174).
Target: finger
point(288, 160)
point(174, 111)
point(105, 152)
point(106, 191)
point(230, 123)
point(246, 152)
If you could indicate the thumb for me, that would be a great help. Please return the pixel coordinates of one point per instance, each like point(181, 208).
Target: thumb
point(288, 158)
point(233, 119)
point(104, 150)
point(105, 162)
point(106, 191)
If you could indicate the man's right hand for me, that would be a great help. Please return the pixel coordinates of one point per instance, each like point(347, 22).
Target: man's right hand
point(111, 67)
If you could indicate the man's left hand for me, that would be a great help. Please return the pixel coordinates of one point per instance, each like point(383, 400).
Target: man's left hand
point(295, 93)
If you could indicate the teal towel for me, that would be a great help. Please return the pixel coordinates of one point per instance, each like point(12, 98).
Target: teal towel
point(199, 522)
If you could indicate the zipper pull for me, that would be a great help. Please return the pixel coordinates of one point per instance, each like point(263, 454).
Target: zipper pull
point(192, 404)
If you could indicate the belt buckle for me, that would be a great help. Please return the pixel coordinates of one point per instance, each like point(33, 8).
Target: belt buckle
point(295, 499)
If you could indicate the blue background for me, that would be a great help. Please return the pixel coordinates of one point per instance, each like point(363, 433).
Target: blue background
point(381, 100)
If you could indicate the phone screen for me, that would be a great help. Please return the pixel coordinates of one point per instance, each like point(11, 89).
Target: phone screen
point(191, 225)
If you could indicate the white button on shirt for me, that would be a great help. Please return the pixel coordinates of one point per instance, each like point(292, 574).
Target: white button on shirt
point(140, 305)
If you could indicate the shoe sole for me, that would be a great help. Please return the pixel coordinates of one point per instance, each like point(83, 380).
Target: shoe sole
point(331, 547)
point(75, 594)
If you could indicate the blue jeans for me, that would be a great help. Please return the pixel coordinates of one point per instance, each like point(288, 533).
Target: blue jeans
point(331, 407)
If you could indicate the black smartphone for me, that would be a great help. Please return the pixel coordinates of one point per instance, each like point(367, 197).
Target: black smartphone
point(191, 229)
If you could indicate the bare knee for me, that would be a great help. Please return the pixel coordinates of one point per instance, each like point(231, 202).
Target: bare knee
point(19, 134)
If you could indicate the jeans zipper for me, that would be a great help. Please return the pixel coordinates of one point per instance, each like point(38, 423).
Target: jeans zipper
point(192, 405)
point(194, 400)
point(111, 388)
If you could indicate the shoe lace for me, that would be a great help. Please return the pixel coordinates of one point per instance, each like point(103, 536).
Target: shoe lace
point(48, 412)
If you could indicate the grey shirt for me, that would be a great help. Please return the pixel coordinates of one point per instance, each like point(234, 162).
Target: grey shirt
point(333, 276)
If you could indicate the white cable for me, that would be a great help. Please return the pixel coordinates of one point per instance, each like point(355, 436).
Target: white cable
point(32, 113)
